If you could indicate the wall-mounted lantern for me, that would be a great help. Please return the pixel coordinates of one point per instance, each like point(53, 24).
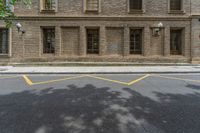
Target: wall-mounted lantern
point(157, 28)
point(19, 28)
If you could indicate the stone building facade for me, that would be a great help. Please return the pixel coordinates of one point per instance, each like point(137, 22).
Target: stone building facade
point(105, 30)
point(195, 28)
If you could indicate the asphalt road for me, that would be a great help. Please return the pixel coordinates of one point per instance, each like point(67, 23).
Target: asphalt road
point(100, 103)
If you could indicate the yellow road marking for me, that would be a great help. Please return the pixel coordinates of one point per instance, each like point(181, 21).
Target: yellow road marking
point(120, 82)
point(101, 78)
point(137, 80)
point(28, 81)
point(198, 81)
point(8, 77)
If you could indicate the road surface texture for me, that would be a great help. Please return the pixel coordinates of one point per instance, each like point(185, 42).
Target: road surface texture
point(136, 103)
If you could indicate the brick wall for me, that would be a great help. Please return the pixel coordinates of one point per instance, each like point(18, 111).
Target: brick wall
point(114, 22)
point(70, 41)
point(108, 8)
point(114, 41)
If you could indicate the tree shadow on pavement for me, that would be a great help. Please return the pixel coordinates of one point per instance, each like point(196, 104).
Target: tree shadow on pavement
point(192, 86)
point(90, 109)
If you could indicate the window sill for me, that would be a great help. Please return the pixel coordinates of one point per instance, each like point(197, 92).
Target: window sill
point(4, 56)
point(176, 12)
point(48, 53)
point(92, 11)
point(176, 55)
point(136, 12)
point(48, 11)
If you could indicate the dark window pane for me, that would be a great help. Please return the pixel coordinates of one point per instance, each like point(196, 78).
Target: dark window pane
point(136, 4)
point(136, 41)
point(49, 40)
point(176, 42)
point(4, 41)
point(175, 4)
point(92, 41)
point(49, 4)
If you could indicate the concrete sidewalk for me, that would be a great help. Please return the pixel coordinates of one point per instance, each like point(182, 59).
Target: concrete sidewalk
point(99, 70)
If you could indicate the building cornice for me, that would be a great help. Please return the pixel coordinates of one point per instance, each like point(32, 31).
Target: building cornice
point(106, 18)
point(195, 15)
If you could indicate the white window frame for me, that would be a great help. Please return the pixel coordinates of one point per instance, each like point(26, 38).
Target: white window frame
point(135, 11)
point(85, 10)
point(42, 9)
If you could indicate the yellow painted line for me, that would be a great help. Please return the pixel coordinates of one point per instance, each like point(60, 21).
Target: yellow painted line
point(106, 79)
point(57, 80)
point(8, 77)
point(198, 81)
point(138, 80)
point(28, 81)
point(120, 82)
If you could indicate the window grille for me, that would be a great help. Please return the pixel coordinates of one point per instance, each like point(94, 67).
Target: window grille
point(49, 40)
point(92, 41)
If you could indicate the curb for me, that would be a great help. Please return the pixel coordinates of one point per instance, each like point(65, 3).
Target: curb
point(71, 64)
point(52, 73)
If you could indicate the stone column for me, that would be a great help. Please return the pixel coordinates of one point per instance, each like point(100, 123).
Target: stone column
point(167, 41)
point(58, 50)
point(102, 46)
point(126, 47)
point(147, 41)
point(82, 41)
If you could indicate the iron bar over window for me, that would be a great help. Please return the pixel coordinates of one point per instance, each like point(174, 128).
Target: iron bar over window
point(136, 41)
point(49, 40)
point(4, 41)
point(93, 41)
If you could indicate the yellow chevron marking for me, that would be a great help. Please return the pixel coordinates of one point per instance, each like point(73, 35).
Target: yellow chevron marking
point(120, 82)
point(28, 81)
